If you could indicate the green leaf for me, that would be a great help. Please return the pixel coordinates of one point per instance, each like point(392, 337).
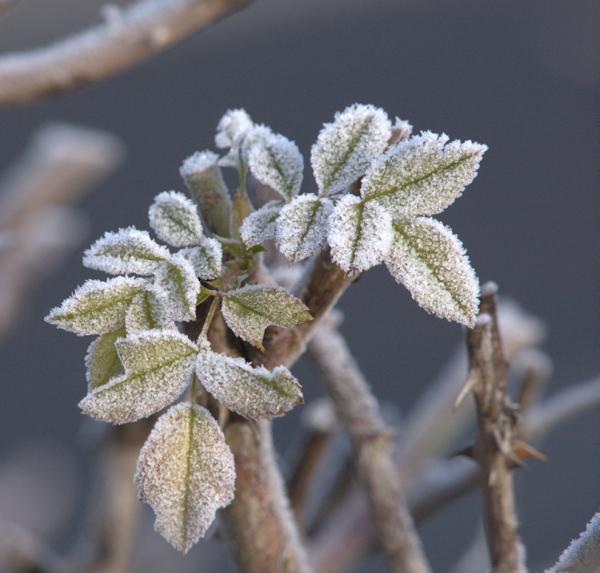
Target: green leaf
point(97, 307)
point(430, 261)
point(359, 234)
point(249, 310)
point(345, 148)
point(185, 472)
point(207, 259)
point(175, 219)
point(148, 311)
point(423, 175)
point(259, 226)
point(251, 392)
point(128, 251)
point(158, 367)
point(177, 278)
point(102, 361)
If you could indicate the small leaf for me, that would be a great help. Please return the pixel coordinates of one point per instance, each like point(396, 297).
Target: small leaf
point(207, 259)
point(185, 472)
point(430, 261)
point(175, 220)
point(302, 226)
point(249, 310)
point(251, 392)
point(232, 128)
point(97, 307)
point(126, 251)
point(423, 175)
point(177, 278)
point(148, 311)
point(158, 367)
point(259, 226)
point(359, 234)
point(277, 163)
point(345, 148)
point(101, 359)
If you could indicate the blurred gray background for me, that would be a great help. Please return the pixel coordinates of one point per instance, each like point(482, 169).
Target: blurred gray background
point(521, 77)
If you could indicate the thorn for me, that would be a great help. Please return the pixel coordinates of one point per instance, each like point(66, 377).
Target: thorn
point(524, 451)
point(468, 386)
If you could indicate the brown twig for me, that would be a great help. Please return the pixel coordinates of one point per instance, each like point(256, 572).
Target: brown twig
point(127, 37)
point(7, 6)
point(494, 447)
point(358, 412)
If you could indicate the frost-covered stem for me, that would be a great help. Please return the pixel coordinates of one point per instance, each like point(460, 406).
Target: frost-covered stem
point(358, 412)
point(493, 448)
point(583, 553)
point(127, 36)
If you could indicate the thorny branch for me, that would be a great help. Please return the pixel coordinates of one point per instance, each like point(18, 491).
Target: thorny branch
point(358, 412)
point(126, 38)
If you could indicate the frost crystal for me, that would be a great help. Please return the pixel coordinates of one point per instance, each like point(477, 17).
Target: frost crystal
point(207, 259)
point(276, 161)
point(583, 553)
point(175, 220)
point(126, 251)
point(259, 226)
point(147, 311)
point(249, 310)
point(97, 307)
point(197, 163)
point(359, 234)
point(251, 392)
point(302, 226)
point(430, 261)
point(423, 175)
point(102, 361)
point(178, 279)
point(158, 367)
point(401, 130)
point(232, 128)
point(345, 148)
point(186, 472)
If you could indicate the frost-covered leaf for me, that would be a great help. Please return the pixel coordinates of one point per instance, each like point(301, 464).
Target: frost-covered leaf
point(177, 278)
point(259, 226)
point(249, 310)
point(207, 259)
point(185, 472)
point(175, 220)
point(401, 130)
point(158, 367)
point(204, 180)
point(251, 392)
point(277, 163)
point(583, 553)
point(346, 147)
point(126, 251)
point(97, 307)
point(148, 310)
point(359, 234)
point(232, 128)
point(102, 361)
point(423, 175)
point(430, 261)
point(302, 226)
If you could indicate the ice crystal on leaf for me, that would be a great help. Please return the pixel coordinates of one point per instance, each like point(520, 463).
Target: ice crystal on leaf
point(346, 147)
point(359, 234)
point(430, 261)
point(207, 259)
point(277, 162)
point(102, 361)
point(177, 278)
point(148, 310)
point(185, 472)
point(232, 128)
point(248, 311)
point(259, 226)
point(128, 251)
point(583, 553)
point(251, 392)
point(158, 367)
point(97, 307)
point(423, 175)
point(301, 229)
point(175, 220)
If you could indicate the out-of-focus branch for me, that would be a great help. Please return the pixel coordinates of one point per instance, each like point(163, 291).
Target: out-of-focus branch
point(494, 447)
point(127, 36)
point(60, 164)
point(7, 5)
point(358, 412)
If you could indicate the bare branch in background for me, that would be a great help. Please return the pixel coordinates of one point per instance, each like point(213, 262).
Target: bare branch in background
point(61, 164)
point(127, 37)
point(359, 414)
point(7, 6)
point(494, 447)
